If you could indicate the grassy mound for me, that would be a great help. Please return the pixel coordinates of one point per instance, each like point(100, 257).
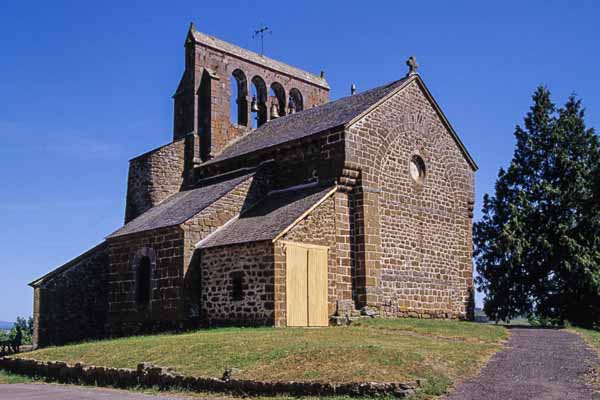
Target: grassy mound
point(373, 350)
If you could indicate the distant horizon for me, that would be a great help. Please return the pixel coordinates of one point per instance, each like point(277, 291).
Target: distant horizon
point(90, 87)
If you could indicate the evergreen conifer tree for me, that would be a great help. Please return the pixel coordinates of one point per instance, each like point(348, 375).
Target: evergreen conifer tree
point(537, 246)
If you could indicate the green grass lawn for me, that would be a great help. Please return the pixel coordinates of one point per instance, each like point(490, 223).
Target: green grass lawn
point(7, 377)
point(370, 350)
point(592, 337)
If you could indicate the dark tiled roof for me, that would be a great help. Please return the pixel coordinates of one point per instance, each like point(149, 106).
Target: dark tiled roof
point(307, 122)
point(180, 207)
point(268, 218)
point(100, 247)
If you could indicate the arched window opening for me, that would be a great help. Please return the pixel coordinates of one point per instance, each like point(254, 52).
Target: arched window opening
point(417, 169)
point(142, 281)
point(239, 101)
point(296, 101)
point(259, 101)
point(277, 98)
point(237, 286)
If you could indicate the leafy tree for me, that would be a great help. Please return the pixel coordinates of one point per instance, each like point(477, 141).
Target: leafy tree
point(26, 326)
point(537, 246)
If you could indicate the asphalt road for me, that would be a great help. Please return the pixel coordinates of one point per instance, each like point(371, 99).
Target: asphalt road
point(60, 392)
point(537, 364)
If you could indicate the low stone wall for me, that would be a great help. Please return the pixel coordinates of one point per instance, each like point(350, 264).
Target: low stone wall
point(148, 375)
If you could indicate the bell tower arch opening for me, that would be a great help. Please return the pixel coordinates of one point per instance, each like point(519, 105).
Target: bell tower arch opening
point(259, 101)
point(277, 97)
point(239, 98)
point(226, 91)
point(296, 100)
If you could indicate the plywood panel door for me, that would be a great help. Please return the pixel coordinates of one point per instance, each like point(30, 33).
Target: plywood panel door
point(306, 285)
point(317, 288)
point(296, 285)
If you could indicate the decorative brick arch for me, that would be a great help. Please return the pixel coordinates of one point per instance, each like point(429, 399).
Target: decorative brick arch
point(428, 136)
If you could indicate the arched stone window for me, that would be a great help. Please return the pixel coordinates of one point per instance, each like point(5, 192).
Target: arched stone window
point(239, 101)
point(144, 262)
point(296, 100)
point(259, 100)
point(277, 96)
point(142, 281)
point(237, 285)
point(417, 169)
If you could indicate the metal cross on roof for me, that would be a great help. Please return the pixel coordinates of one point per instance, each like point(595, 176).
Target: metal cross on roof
point(262, 32)
point(412, 65)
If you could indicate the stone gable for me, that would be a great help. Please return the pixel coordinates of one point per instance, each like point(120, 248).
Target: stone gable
point(418, 243)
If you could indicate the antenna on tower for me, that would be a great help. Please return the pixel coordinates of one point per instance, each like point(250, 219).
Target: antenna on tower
point(262, 31)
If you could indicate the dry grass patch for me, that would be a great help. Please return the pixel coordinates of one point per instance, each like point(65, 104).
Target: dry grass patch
point(374, 350)
point(593, 339)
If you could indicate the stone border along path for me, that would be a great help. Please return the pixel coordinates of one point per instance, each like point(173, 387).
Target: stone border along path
point(150, 376)
point(537, 364)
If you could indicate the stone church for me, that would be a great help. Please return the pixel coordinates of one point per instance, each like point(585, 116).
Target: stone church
point(272, 205)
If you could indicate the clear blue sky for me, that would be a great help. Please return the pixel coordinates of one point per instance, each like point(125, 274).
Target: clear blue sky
point(84, 86)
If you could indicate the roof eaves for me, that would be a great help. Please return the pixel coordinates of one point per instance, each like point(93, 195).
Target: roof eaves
point(66, 265)
point(116, 233)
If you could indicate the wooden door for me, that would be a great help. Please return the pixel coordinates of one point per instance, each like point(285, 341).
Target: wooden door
point(317, 288)
point(306, 285)
point(296, 285)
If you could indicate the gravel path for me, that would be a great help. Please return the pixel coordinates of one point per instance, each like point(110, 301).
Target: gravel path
point(65, 392)
point(537, 364)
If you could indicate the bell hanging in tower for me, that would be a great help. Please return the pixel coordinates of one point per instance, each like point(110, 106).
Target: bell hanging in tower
point(274, 111)
point(254, 105)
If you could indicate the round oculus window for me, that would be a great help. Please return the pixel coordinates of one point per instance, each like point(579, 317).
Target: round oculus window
point(417, 169)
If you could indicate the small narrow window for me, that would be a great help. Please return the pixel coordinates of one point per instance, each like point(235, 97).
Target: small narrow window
point(237, 286)
point(142, 278)
point(417, 169)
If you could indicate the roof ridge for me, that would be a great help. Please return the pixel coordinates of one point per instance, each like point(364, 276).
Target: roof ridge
point(296, 129)
point(253, 57)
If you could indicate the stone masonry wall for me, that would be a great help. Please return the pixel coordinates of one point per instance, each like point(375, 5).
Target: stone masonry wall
point(165, 310)
point(318, 157)
point(175, 273)
point(206, 222)
point(153, 177)
point(71, 305)
point(415, 241)
point(319, 227)
point(254, 263)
